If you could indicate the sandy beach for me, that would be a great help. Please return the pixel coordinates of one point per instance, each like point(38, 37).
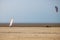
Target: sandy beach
point(29, 33)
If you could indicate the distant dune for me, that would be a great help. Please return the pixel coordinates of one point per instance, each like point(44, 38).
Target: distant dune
point(31, 25)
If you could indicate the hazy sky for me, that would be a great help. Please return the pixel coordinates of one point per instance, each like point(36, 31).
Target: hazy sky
point(29, 11)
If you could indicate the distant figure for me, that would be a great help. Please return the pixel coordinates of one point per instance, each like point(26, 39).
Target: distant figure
point(48, 26)
point(11, 22)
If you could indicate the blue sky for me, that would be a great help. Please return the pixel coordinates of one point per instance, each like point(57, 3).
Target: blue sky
point(29, 11)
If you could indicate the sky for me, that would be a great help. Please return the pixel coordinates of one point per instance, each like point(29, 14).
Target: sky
point(29, 11)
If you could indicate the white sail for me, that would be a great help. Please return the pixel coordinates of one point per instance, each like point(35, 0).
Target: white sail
point(11, 22)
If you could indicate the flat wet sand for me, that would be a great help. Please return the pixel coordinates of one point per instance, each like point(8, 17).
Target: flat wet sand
point(31, 25)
